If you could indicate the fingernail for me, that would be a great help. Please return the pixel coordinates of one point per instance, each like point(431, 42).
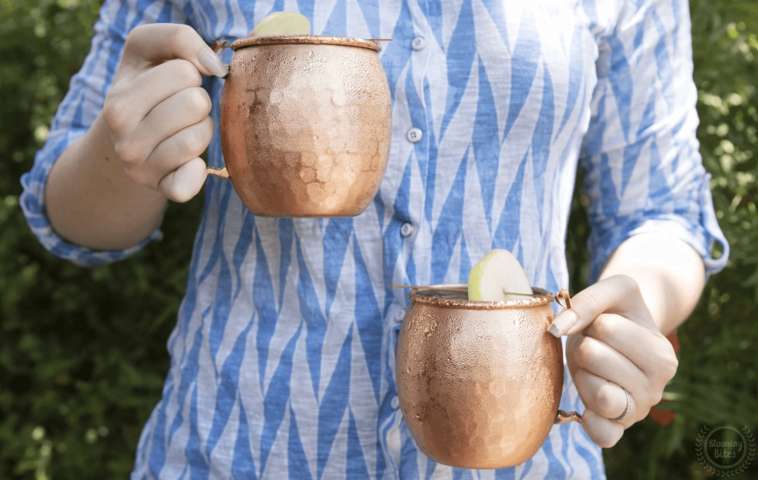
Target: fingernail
point(562, 323)
point(212, 63)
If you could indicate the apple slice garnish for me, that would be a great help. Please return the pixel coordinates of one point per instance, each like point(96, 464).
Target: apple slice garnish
point(496, 277)
point(282, 23)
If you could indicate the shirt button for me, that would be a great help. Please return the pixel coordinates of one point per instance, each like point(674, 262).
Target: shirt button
point(418, 43)
point(407, 229)
point(414, 135)
point(395, 403)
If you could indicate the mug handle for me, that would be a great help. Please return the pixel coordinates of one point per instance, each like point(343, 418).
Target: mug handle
point(218, 172)
point(563, 299)
point(567, 417)
point(222, 172)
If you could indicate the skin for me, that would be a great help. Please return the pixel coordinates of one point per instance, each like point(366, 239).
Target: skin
point(144, 149)
point(616, 330)
point(144, 146)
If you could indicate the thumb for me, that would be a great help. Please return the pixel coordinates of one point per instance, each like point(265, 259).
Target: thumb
point(617, 294)
point(185, 182)
point(157, 42)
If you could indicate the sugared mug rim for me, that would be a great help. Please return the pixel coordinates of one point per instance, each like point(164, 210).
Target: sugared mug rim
point(539, 298)
point(304, 40)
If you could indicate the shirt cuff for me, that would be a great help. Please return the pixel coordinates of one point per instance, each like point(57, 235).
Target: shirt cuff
point(33, 205)
point(696, 227)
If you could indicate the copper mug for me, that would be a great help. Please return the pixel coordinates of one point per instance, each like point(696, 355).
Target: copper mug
point(479, 383)
point(305, 125)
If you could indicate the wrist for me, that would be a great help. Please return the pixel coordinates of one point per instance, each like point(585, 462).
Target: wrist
point(90, 201)
point(111, 168)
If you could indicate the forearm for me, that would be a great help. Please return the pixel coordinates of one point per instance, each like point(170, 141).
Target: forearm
point(669, 272)
point(91, 202)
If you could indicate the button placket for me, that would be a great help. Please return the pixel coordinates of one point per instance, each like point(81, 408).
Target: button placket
point(414, 135)
point(418, 43)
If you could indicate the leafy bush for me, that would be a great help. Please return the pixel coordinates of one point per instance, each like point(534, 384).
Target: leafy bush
point(82, 352)
point(717, 383)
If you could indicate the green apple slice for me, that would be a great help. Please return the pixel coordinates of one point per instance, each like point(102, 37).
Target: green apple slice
point(282, 23)
point(496, 275)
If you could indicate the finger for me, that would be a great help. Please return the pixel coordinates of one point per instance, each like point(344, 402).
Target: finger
point(185, 182)
point(603, 397)
point(128, 105)
point(157, 42)
point(601, 430)
point(618, 294)
point(177, 150)
point(185, 108)
point(601, 360)
point(645, 347)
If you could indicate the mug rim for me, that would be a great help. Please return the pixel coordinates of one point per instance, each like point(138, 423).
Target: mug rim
point(304, 40)
point(539, 298)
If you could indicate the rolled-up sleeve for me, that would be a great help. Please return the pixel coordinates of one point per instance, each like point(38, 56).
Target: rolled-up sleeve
point(77, 112)
point(643, 170)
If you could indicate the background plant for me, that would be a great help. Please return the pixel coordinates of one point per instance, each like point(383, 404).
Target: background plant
point(82, 352)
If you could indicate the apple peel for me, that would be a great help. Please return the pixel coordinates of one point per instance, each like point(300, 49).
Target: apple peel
point(282, 23)
point(498, 275)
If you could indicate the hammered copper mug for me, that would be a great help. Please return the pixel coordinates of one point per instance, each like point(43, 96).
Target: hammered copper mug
point(479, 383)
point(305, 125)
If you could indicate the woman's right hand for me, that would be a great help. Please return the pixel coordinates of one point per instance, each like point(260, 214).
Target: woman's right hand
point(157, 113)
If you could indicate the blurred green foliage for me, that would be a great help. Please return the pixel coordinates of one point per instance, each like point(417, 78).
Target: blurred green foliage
point(82, 352)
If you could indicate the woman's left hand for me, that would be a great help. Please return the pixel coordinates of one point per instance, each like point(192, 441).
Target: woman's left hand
point(614, 347)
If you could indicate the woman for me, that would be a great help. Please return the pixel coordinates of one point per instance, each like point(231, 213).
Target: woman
point(282, 357)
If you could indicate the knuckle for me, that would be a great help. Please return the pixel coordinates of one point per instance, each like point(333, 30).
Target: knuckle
point(193, 144)
point(137, 31)
point(129, 152)
point(606, 441)
point(603, 432)
point(628, 283)
point(651, 397)
point(603, 436)
point(138, 175)
point(185, 70)
point(614, 439)
point(200, 100)
point(207, 131)
point(656, 397)
point(666, 362)
point(588, 303)
point(116, 115)
point(182, 36)
point(605, 325)
point(134, 34)
point(604, 399)
point(673, 366)
point(647, 399)
point(585, 353)
point(669, 366)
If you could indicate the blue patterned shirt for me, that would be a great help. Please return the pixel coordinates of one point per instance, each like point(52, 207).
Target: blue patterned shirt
point(282, 357)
